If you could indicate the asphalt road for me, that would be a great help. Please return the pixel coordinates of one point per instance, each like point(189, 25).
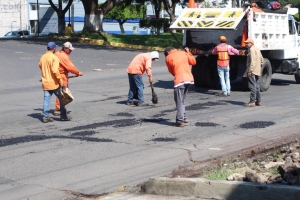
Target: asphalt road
point(108, 145)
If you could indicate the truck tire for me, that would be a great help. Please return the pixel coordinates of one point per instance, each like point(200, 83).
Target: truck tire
point(196, 71)
point(266, 75)
point(297, 76)
point(209, 72)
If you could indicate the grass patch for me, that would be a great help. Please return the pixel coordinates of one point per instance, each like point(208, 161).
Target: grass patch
point(163, 40)
point(218, 173)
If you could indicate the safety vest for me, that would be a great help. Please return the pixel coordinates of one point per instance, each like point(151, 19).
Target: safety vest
point(223, 56)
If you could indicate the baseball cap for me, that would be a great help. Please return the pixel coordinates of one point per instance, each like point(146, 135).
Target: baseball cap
point(249, 40)
point(51, 45)
point(222, 38)
point(68, 45)
point(154, 55)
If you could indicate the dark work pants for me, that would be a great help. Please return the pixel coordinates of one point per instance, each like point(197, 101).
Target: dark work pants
point(253, 84)
point(179, 97)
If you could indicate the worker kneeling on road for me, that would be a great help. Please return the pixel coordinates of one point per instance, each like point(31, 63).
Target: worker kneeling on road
point(140, 64)
point(223, 50)
point(65, 66)
point(178, 63)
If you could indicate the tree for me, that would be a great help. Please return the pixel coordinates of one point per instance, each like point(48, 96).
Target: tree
point(122, 13)
point(61, 13)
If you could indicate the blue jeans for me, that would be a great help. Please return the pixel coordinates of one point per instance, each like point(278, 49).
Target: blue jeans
point(135, 82)
point(47, 98)
point(224, 79)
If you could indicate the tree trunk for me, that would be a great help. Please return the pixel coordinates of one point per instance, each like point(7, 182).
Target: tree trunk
point(121, 22)
point(91, 17)
point(61, 14)
point(171, 11)
point(61, 23)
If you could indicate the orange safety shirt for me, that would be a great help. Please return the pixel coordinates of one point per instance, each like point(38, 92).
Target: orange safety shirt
point(65, 64)
point(49, 65)
point(141, 63)
point(178, 63)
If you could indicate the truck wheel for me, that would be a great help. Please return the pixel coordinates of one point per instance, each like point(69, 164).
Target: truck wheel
point(297, 77)
point(209, 73)
point(266, 75)
point(196, 71)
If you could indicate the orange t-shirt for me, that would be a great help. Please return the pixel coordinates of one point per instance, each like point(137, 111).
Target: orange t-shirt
point(49, 64)
point(178, 63)
point(140, 63)
point(65, 64)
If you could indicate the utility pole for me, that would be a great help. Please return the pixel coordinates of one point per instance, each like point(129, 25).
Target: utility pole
point(38, 17)
point(20, 14)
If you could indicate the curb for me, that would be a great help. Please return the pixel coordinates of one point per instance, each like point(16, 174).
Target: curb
point(115, 44)
point(216, 189)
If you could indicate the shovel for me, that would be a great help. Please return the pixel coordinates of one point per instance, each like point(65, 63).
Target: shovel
point(154, 95)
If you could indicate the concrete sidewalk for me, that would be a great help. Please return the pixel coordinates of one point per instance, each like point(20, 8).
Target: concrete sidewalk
point(229, 190)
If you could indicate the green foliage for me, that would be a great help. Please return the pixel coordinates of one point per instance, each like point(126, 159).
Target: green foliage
point(276, 154)
point(163, 40)
point(123, 12)
point(154, 23)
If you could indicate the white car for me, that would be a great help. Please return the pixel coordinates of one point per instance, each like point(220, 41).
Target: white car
point(17, 34)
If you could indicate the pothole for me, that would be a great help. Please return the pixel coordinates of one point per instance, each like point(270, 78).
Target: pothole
point(203, 124)
point(256, 124)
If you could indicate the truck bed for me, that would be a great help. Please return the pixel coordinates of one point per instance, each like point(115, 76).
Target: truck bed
point(206, 40)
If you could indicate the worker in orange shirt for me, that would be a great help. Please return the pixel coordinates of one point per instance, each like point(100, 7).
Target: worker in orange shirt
point(140, 64)
point(65, 66)
point(178, 63)
point(51, 81)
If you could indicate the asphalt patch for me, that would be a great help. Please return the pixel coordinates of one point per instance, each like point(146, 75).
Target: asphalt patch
point(83, 133)
point(203, 124)
point(32, 138)
point(154, 120)
point(200, 106)
point(257, 124)
point(122, 114)
point(166, 139)
point(113, 123)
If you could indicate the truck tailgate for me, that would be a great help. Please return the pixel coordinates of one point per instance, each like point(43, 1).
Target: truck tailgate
point(208, 18)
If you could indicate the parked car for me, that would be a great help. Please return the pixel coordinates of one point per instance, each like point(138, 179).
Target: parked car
point(17, 34)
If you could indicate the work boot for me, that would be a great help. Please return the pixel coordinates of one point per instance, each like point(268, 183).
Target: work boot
point(250, 104)
point(258, 103)
point(176, 124)
point(56, 112)
point(223, 95)
point(48, 119)
point(65, 118)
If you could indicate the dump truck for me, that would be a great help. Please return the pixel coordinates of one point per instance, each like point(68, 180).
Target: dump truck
point(275, 33)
